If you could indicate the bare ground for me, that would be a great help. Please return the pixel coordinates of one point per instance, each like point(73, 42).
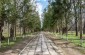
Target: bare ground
point(15, 50)
point(67, 48)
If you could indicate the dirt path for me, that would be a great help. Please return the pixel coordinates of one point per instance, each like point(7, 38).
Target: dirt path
point(44, 44)
point(66, 47)
point(41, 46)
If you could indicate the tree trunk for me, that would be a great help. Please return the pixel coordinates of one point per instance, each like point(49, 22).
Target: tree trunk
point(15, 32)
point(66, 28)
point(76, 25)
point(0, 35)
point(24, 31)
point(57, 27)
point(12, 31)
point(66, 24)
point(80, 17)
point(84, 28)
point(8, 34)
point(61, 27)
point(20, 31)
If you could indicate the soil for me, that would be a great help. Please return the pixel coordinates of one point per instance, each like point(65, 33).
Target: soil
point(66, 47)
point(15, 50)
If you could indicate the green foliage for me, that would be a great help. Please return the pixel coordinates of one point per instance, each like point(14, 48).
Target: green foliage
point(55, 14)
point(14, 11)
point(18, 14)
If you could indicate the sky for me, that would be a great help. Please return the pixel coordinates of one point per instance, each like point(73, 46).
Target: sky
point(41, 5)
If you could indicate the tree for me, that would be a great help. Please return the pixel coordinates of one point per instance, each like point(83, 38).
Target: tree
point(18, 13)
point(80, 17)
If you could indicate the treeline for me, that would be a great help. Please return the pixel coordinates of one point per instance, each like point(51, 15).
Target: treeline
point(62, 16)
point(18, 13)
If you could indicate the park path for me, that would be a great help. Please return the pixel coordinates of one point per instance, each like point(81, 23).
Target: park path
point(40, 46)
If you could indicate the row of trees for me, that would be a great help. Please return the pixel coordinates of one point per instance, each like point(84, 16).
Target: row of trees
point(18, 13)
point(65, 15)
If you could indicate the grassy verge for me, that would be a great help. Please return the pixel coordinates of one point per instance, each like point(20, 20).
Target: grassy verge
point(12, 43)
point(75, 41)
point(72, 38)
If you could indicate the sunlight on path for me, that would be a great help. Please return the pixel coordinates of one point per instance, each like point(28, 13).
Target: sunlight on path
point(40, 46)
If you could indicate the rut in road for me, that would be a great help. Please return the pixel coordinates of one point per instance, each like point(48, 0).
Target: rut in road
point(40, 46)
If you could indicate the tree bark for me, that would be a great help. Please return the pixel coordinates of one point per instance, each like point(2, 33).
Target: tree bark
point(61, 27)
point(24, 31)
point(12, 31)
point(1, 31)
point(80, 17)
point(66, 24)
point(84, 28)
point(76, 19)
point(15, 31)
point(0, 35)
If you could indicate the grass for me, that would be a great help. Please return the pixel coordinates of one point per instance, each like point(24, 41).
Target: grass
point(11, 44)
point(4, 43)
point(72, 38)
